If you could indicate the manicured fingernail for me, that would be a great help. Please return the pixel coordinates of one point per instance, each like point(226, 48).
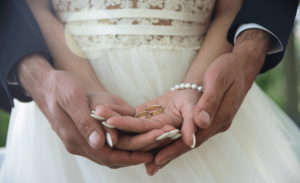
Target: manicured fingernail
point(194, 142)
point(97, 117)
point(172, 133)
point(162, 136)
point(108, 139)
point(156, 170)
point(175, 136)
point(93, 112)
point(204, 116)
point(164, 162)
point(107, 125)
point(94, 138)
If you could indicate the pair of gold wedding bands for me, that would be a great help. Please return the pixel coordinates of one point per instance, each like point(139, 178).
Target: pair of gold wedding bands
point(149, 112)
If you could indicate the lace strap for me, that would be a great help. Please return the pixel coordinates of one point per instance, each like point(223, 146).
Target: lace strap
point(136, 30)
point(134, 13)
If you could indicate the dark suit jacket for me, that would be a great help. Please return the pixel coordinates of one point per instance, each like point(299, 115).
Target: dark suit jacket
point(275, 15)
point(20, 34)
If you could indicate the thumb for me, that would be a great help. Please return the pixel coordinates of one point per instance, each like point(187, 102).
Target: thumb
point(188, 127)
point(208, 105)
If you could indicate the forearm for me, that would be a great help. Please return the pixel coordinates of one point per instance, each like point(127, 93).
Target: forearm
point(251, 47)
point(64, 59)
point(33, 71)
point(215, 43)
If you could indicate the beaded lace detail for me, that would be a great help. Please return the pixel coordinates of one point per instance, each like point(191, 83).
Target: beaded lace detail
point(197, 7)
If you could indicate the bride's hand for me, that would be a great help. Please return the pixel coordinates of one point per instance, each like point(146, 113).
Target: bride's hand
point(178, 111)
point(106, 105)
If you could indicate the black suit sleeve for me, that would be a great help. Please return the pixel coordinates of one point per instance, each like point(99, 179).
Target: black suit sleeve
point(275, 15)
point(19, 36)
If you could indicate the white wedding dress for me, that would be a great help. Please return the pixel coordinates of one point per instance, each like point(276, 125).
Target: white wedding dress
point(138, 59)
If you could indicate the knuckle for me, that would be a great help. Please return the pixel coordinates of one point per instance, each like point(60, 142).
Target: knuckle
point(107, 163)
point(69, 139)
point(54, 127)
point(102, 111)
point(83, 125)
point(109, 106)
point(225, 127)
point(212, 103)
point(71, 150)
point(227, 117)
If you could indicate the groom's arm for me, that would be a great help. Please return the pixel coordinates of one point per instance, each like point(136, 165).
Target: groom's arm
point(19, 36)
point(273, 16)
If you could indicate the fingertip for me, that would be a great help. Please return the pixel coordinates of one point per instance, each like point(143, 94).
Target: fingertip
point(188, 129)
point(151, 169)
point(113, 134)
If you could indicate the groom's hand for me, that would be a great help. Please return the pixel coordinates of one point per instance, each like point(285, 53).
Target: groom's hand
point(63, 100)
point(226, 83)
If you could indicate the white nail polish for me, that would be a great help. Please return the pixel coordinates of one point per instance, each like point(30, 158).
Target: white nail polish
point(172, 133)
point(194, 142)
point(162, 136)
point(93, 112)
point(175, 137)
point(97, 117)
point(107, 125)
point(108, 139)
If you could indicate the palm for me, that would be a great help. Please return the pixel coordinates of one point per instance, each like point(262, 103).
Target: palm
point(102, 98)
point(178, 107)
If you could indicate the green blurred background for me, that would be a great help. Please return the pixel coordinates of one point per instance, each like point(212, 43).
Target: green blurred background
point(282, 84)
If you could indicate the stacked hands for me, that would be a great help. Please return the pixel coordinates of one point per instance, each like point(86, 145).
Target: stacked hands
point(155, 141)
point(187, 113)
point(153, 134)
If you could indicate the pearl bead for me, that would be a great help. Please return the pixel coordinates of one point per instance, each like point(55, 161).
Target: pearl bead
point(194, 86)
point(172, 88)
point(177, 87)
point(200, 89)
point(188, 86)
point(182, 86)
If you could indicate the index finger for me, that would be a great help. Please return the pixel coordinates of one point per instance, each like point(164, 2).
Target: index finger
point(131, 124)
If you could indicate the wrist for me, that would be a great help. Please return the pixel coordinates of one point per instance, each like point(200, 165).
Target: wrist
point(251, 48)
point(33, 70)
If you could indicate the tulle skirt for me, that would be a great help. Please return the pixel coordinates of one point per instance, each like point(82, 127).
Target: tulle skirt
point(262, 145)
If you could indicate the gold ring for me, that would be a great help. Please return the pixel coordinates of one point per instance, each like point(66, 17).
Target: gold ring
point(154, 110)
point(143, 115)
point(151, 108)
point(152, 113)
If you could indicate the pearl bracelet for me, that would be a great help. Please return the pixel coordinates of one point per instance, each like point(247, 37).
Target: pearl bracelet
point(183, 86)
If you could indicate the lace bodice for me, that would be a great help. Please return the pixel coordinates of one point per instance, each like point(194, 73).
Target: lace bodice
point(155, 24)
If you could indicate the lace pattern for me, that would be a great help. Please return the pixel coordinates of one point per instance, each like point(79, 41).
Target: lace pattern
point(197, 7)
point(179, 43)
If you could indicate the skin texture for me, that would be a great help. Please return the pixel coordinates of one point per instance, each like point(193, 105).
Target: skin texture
point(215, 44)
point(105, 104)
point(216, 66)
point(233, 74)
point(63, 100)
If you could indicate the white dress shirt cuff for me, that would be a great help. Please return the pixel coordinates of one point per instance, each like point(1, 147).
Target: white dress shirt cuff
point(275, 46)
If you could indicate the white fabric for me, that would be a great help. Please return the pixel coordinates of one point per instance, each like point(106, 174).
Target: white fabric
point(276, 45)
point(162, 24)
point(135, 30)
point(261, 146)
point(133, 13)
